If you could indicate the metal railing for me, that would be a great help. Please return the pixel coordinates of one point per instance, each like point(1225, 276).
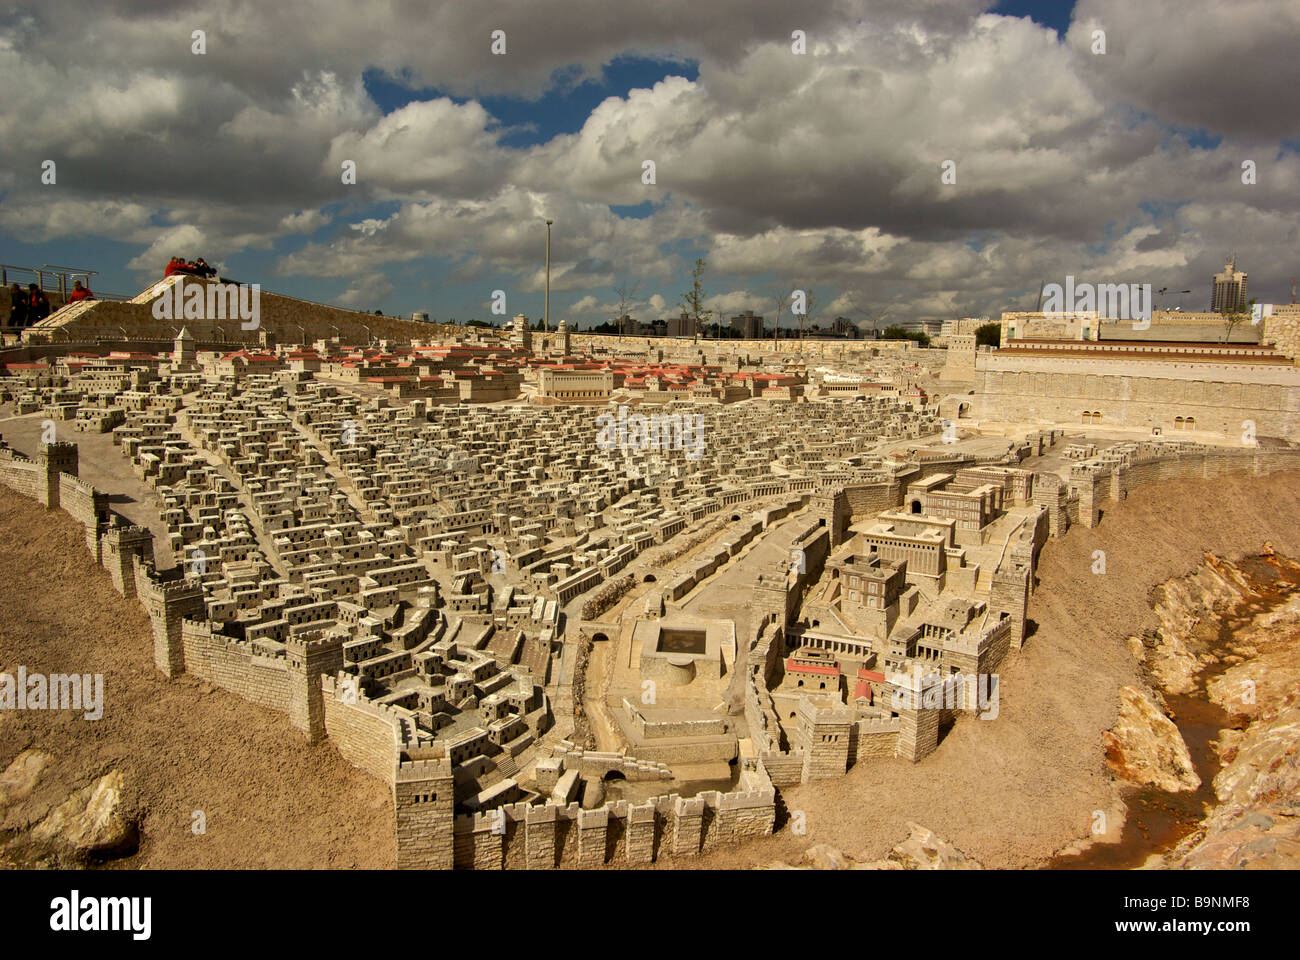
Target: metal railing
point(52, 279)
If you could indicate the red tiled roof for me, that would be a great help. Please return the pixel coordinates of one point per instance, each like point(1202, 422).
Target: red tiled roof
point(790, 665)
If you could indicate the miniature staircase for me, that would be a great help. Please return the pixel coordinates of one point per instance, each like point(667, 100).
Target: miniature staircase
point(66, 312)
point(507, 766)
point(158, 289)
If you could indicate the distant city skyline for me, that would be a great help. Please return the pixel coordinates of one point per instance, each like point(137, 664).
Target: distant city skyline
point(920, 161)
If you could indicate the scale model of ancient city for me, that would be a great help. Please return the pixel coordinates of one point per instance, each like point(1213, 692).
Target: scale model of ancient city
point(711, 435)
point(585, 600)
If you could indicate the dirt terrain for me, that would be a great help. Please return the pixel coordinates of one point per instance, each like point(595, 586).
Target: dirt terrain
point(270, 799)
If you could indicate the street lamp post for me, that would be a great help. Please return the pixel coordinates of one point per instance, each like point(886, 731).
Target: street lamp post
point(546, 311)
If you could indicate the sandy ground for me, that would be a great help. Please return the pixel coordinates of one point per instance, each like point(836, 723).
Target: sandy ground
point(270, 799)
point(1012, 791)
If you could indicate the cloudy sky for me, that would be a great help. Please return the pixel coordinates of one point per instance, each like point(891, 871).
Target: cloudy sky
point(821, 170)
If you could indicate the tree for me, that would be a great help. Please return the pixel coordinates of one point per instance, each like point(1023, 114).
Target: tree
point(693, 299)
point(626, 293)
point(810, 305)
point(872, 315)
point(780, 300)
point(895, 332)
point(1233, 317)
point(988, 335)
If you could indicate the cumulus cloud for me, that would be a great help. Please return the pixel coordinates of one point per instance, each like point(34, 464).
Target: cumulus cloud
point(587, 304)
point(821, 170)
point(304, 221)
point(173, 241)
point(726, 305)
point(367, 291)
point(1215, 66)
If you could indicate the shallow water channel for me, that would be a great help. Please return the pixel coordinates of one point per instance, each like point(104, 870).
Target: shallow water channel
point(1157, 819)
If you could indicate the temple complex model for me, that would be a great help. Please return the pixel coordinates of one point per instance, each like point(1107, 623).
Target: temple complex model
point(596, 600)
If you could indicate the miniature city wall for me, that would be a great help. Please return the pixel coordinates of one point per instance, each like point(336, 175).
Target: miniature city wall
point(1219, 395)
point(677, 347)
point(307, 686)
point(620, 833)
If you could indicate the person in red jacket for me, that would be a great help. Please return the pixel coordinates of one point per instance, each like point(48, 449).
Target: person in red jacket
point(80, 293)
point(173, 266)
point(38, 305)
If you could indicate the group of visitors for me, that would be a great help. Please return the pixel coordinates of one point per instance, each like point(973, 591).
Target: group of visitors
point(31, 306)
point(199, 268)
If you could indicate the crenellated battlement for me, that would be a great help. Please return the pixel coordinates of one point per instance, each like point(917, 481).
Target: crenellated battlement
point(429, 769)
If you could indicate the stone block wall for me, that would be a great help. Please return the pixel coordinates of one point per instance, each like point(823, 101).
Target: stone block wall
point(824, 735)
point(870, 738)
point(1009, 594)
point(1051, 494)
point(872, 498)
point(918, 733)
point(22, 475)
point(120, 547)
point(287, 319)
point(309, 657)
point(87, 506)
point(545, 836)
point(784, 769)
point(1090, 496)
point(1282, 329)
point(479, 842)
point(235, 666)
point(364, 733)
point(1219, 396)
point(424, 805)
point(169, 604)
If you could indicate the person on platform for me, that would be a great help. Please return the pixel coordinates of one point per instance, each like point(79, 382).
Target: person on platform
point(17, 306)
point(38, 305)
point(80, 292)
point(181, 266)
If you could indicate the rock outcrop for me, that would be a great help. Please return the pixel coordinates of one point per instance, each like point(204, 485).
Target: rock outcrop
point(89, 824)
point(1256, 823)
point(20, 777)
point(1145, 747)
point(922, 850)
point(1188, 609)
